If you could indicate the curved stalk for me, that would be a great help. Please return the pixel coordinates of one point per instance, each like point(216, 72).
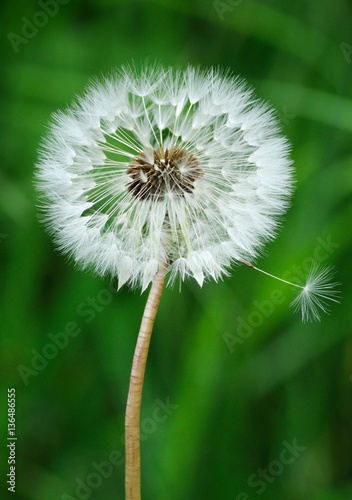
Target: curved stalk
point(132, 420)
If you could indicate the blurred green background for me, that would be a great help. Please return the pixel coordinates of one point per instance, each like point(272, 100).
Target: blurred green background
point(233, 375)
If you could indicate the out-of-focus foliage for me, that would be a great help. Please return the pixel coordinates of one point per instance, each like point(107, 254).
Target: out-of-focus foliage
point(242, 374)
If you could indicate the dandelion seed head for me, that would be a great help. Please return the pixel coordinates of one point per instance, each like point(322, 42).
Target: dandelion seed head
point(184, 166)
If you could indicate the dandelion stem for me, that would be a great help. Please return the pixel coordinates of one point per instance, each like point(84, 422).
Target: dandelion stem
point(132, 420)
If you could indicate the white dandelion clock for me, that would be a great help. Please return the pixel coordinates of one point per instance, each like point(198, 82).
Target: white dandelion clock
point(182, 166)
point(185, 168)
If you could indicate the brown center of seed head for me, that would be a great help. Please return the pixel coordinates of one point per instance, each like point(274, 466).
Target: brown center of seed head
point(171, 170)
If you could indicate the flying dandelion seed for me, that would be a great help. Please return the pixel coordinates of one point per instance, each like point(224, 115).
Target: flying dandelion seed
point(316, 294)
